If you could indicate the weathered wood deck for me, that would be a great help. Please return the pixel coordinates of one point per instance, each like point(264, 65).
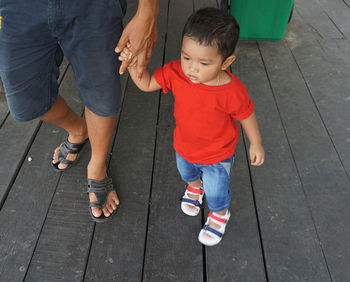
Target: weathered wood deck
point(290, 218)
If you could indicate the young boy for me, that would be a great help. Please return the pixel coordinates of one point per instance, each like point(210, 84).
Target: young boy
point(207, 100)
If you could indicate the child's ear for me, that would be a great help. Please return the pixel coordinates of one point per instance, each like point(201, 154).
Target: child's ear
point(229, 60)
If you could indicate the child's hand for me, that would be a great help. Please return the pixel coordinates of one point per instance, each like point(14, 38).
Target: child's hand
point(126, 55)
point(256, 154)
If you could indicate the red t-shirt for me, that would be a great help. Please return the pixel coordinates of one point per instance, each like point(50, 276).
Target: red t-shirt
point(205, 132)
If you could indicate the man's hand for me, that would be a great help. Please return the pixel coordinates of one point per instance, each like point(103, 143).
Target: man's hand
point(141, 34)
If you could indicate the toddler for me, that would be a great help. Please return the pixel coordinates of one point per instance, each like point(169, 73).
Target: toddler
point(207, 100)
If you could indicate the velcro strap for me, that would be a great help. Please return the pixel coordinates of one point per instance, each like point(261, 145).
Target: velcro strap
point(195, 190)
point(217, 218)
point(212, 230)
point(191, 201)
point(67, 148)
point(95, 204)
point(100, 188)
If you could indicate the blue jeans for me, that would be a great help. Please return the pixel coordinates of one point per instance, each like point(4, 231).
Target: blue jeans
point(215, 180)
point(34, 36)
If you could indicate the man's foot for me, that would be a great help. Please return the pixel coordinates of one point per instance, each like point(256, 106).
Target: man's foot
point(75, 143)
point(101, 190)
point(112, 200)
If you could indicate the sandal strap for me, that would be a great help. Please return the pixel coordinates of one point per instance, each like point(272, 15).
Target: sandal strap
point(95, 204)
point(67, 148)
point(195, 190)
point(206, 227)
point(217, 218)
point(191, 202)
point(101, 190)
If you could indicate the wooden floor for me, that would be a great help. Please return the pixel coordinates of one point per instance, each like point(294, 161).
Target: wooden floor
point(290, 218)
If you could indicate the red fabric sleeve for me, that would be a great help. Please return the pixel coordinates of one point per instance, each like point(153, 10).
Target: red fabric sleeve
point(241, 106)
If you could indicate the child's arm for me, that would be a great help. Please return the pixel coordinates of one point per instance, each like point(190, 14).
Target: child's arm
point(147, 82)
point(256, 150)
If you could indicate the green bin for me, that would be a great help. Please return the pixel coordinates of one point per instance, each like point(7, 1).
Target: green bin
point(262, 19)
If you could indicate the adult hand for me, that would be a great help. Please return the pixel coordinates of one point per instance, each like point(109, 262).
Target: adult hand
point(141, 34)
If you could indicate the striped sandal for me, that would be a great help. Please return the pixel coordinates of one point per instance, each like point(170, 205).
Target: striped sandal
point(186, 200)
point(210, 235)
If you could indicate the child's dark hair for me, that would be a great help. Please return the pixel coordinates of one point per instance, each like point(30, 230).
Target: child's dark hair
point(211, 26)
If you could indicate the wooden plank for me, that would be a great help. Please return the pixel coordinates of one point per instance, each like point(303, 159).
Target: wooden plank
point(239, 256)
point(317, 20)
point(173, 252)
point(337, 54)
point(164, 244)
point(321, 171)
point(321, 166)
point(64, 242)
point(15, 140)
point(117, 251)
point(291, 247)
point(339, 13)
point(330, 95)
point(118, 247)
point(24, 211)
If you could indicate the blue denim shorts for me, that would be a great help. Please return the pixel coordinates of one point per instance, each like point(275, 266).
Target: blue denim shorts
point(35, 35)
point(215, 179)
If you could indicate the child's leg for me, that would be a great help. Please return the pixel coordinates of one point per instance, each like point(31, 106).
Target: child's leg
point(216, 179)
point(190, 173)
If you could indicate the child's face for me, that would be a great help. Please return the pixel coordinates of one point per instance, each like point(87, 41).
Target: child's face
point(201, 64)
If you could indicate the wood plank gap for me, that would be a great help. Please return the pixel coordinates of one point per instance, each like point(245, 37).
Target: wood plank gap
point(294, 161)
point(110, 151)
point(163, 62)
point(19, 165)
point(346, 3)
point(336, 26)
point(63, 74)
point(42, 226)
point(89, 251)
point(155, 150)
point(150, 195)
point(253, 196)
point(2, 123)
point(255, 204)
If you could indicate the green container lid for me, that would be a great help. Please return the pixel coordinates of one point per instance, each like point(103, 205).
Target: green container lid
point(262, 19)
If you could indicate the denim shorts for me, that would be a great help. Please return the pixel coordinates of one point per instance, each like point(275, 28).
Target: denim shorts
point(34, 36)
point(215, 180)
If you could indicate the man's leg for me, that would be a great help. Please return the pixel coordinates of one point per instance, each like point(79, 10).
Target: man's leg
point(61, 115)
point(100, 134)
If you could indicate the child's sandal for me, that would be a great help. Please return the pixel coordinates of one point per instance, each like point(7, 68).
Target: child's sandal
point(210, 235)
point(186, 200)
